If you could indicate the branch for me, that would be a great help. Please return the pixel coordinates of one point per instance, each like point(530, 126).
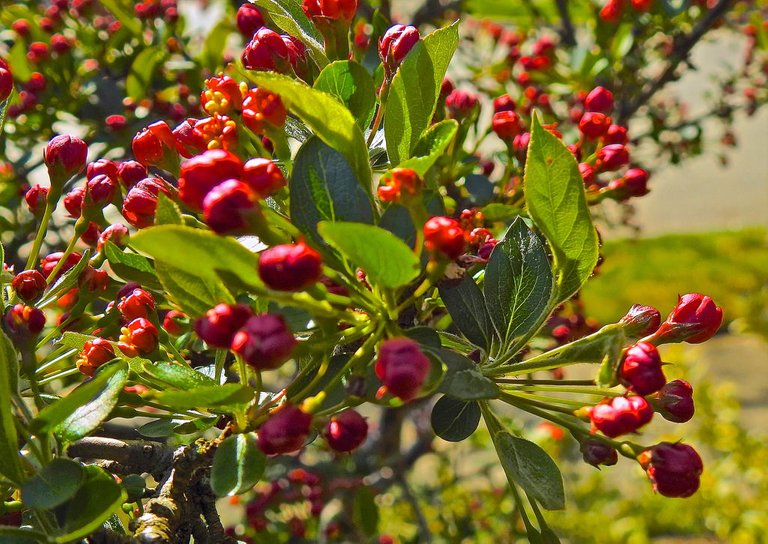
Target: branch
point(568, 34)
point(126, 456)
point(679, 55)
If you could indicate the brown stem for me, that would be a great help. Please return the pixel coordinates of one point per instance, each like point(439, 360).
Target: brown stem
point(567, 33)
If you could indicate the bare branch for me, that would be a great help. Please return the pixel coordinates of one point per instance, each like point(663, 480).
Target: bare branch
point(129, 456)
point(568, 34)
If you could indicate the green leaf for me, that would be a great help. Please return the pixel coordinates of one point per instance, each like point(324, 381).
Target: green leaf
point(17, 535)
point(143, 68)
point(67, 281)
point(206, 396)
point(455, 420)
point(554, 193)
point(88, 416)
point(499, 212)
point(365, 513)
point(237, 465)
point(56, 483)
point(194, 295)
point(168, 212)
point(131, 266)
point(463, 379)
point(216, 42)
point(60, 411)
point(98, 498)
point(414, 91)
point(10, 467)
point(530, 467)
point(352, 84)
point(327, 117)
point(177, 375)
point(432, 146)
point(324, 187)
point(518, 285)
point(466, 304)
point(386, 259)
point(198, 252)
point(290, 17)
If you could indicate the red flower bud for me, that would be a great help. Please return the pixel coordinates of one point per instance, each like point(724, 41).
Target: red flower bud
point(506, 125)
point(36, 82)
point(174, 323)
point(616, 134)
point(675, 401)
point(93, 280)
point(39, 51)
point(633, 183)
point(600, 100)
point(220, 324)
point(263, 176)
point(620, 415)
point(117, 234)
point(641, 369)
point(139, 303)
point(395, 45)
point(520, 145)
point(285, 430)
point(264, 341)
point(611, 11)
point(597, 453)
point(64, 156)
point(49, 262)
point(267, 51)
point(641, 5)
point(6, 83)
point(444, 235)
point(402, 367)
point(156, 146)
point(131, 172)
point(230, 207)
point(140, 203)
point(695, 319)
point(290, 267)
point(346, 431)
point(249, 20)
point(102, 167)
point(399, 185)
point(594, 124)
point(29, 285)
point(35, 198)
point(73, 202)
point(24, 321)
point(460, 104)
point(674, 469)
point(641, 320)
point(202, 173)
point(95, 353)
point(336, 10)
point(116, 123)
point(587, 172)
point(612, 157)
point(99, 192)
point(504, 103)
point(263, 110)
point(139, 337)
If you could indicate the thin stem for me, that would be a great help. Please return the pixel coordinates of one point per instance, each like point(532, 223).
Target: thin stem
point(50, 205)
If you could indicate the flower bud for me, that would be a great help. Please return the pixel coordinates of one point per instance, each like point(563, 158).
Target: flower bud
point(460, 104)
point(6, 83)
point(285, 430)
point(29, 285)
point(65, 156)
point(504, 103)
point(506, 125)
point(249, 20)
point(93, 280)
point(99, 192)
point(140, 203)
point(594, 124)
point(599, 100)
point(290, 267)
point(620, 415)
point(674, 469)
point(395, 45)
point(399, 185)
point(334, 10)
point(139, 337)
point(633, 183)
point(220, 324)
point(230, 207)
point(35, 198)
point(73, 202)
point(117, 234)
point(641, 369)
point(263, 177)
point(131, 172)
point(346, 431)
point(616, 134)
point(24, 321)
point(49, 262)
point(202, 173)
point(445, 236)
point(101, 167)
point(612, 157)
point(267, 52)
point(402, 367)
point(611, 11)
point(116, 123)
point(520, 145)
point(597, 453)
point(95, 353)
point(641, 5)
point(155, 145)
point(640, 321)
point(263, 110)
point(695, 319)
point(264, 341)
point(675, 401)
point(139, 303)
point(175, 323)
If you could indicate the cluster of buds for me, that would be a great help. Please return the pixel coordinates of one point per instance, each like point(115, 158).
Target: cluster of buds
point(272, 52)
point(612, 10)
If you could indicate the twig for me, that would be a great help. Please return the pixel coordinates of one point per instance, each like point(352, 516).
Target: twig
point(568, 35)
point(129, 456)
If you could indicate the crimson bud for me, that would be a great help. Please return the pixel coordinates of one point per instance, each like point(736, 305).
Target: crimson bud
point(263, 176)
point(230, 206)
point(337, 10)
point(675, 401)
point(6, 83)
point(395, 45)
point(504, 103)
point(35, 198)
point(674, 469)
point(29, 285)
point(594, 124)
point(131, 172)
point(460, 104)
point(249, 20)
point(346, 431)
point(402, 367)
point(597, 453)
point(220, 324)
point(64, 156)
point(267, 51)
point(620, 415)
point(399, 184)
point(139, 337)
point(117, 234)
point(202, 173)
point(599, 100)
point(290, 267)
point(140, 203)
point(264, 342)
point(285, 431)
point(695, 319)
point(641, 369)
point(444, 235)
point(173, 323)
point(633, 183)
point(139, 303)
point(101, 166)
point(49, 262)
point(73, 201)
point(506, 125)
point(95, 353)
point(612, 157)
point(24, 321)
point(155, 145)
point(616, 134)
point(640, 320)
point(263, 110)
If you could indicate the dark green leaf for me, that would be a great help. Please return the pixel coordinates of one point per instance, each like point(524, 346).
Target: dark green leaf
point(237, 465)
point(426, 336)
point(365, 513)
point(144, 67)
point(386, 259)
point(10, 467)
point(353, 85)
point(463, 379)
point(466, 304)
point(168, 212)
point(432, 145)
point(414, 92)
point(327, 117)
point(480, 189)
point(554, 193)
point(98, 498)
point(56, 483)
point(324, 187)
point(530, 467)
point(17, 535)
point(518, 285)
point(455, 420)
point(177, 375)
point(289, 16)
point(206, 396)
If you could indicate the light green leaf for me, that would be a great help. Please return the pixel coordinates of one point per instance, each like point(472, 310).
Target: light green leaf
point(177, 375)
point(10, 467)
point(237, 465)
point(142, 70)
point(131, 266)
point(205, 396)
point(193, 294)
point(432, 146)
point(353, 85)
point(168, 212)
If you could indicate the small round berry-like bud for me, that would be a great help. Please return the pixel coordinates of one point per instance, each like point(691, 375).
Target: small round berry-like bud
point(220, 324)
point(285, 431)
point(395, 45)
point(93, 280)
point(95, 353)
point(73, 202)
point(620, 415)
point(35, 198)
point(599, 100)
point(641, 5)
point(117, 234)
point(399, 185)
point(675, 401)
point(101, 166)
point(29, 285)
point(6, 83)
point(460, 104)
point(139, 303)
point(131, 172)
point(249, 20)
point(506, 125)
point(263, 176)
point(263, 110)
point(612, 10)
point(504, 103)
point(346, 431)
point(99, 192)
point(175, 323)
point(290, 267)
point(116, 123)
point(333, 10)
point(264, 341)
point(616, 134)
point(64, 156)
point(444, 235)
point(695, 319)
point(633, 183)
point(612, 157)
point(402, 367)
point(597, 453)
point(229, 207)
point(641, 321)
point(140, 203)
point(267, 52)
point(594, 124)
point(24, 321)
point(49, 262)
point(674, 469)
point(202, 173)
point(139, 337)
point(641, 369)
point(156, 146)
